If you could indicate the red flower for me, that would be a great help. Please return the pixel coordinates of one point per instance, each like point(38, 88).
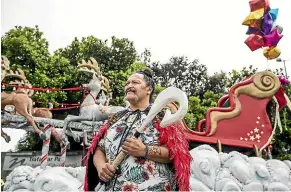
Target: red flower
point(140, 161)
point(167, 187)
point(150, 167)
point(119, 129)
point(145, 175)
point(129, 186)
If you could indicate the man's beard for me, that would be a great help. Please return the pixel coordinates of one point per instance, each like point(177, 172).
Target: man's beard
point(135, 100)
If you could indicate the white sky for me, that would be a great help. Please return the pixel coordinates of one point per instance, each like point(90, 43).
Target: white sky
point(210, 30)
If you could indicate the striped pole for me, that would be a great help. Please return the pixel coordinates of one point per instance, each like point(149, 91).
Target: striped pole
point(63, 146)
point(63, 155)
point(45, 146)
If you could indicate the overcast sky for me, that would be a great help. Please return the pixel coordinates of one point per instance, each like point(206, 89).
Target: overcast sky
point(210, 30)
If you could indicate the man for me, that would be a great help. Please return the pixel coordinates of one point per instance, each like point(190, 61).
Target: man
point(157, 161)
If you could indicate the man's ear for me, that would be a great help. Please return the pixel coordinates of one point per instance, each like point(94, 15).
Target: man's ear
point(149, 90)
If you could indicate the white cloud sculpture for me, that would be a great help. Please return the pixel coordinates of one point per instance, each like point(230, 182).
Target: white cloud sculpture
point(210, 171)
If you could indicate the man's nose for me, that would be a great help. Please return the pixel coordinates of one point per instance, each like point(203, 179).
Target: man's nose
point(129, 85)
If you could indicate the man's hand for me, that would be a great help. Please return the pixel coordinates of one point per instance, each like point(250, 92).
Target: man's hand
point(134, 147)
point(106, 171)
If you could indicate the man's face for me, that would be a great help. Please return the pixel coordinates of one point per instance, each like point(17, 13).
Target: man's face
point(136, 89)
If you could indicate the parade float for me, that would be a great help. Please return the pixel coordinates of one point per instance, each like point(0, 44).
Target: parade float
point(217, 146)
point(226, 146)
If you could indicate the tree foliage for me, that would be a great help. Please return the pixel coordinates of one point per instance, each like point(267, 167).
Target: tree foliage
point(26, 48)
point(217, 83)
point(115, 57)
point(190, 76)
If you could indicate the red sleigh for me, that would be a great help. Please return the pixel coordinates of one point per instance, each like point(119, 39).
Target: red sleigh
point(245, 123)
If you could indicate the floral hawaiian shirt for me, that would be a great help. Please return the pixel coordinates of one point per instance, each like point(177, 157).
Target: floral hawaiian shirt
point(136, 174)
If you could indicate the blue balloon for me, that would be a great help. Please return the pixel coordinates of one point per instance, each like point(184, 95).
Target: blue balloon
point(274, 14)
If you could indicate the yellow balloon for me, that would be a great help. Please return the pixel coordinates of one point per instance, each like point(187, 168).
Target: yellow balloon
point(253, 17)
point(266, 53)
point(274, 53)
point(271, 52)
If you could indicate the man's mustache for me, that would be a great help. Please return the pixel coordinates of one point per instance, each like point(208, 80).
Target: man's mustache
point(130, 89)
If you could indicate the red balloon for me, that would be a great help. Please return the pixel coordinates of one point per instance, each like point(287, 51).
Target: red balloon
point(254, 42)
point(258, 4)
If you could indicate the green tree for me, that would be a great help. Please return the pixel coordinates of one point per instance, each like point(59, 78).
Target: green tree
point(189, 76)
point(114, 57)
point(237, 76)
point(113, 54)
point(27, 49)
point(217, 83)
point(198, 107)
point(145, 57)
point(195, 112)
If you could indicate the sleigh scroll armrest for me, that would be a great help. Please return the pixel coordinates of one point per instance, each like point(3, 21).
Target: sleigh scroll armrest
point(222, 100)
point(200, 125)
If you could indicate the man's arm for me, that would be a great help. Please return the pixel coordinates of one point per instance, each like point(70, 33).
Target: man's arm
point(158, 153)
point(136, 148)
point(105, 170)
point(99, 158)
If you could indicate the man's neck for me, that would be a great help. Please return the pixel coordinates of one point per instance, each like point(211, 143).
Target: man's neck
point(140, 106)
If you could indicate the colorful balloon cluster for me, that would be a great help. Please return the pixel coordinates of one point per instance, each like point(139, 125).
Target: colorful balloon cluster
point(263, 30)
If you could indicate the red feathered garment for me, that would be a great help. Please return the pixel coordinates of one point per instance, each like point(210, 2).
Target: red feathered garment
point(171, 135)
point(281, 98)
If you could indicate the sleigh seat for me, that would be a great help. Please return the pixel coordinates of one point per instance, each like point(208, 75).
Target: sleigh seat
point(240, 118)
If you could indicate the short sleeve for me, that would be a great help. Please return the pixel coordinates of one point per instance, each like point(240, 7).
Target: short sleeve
point(101, 144)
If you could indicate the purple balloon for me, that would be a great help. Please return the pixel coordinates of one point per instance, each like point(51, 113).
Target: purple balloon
point(267, 23)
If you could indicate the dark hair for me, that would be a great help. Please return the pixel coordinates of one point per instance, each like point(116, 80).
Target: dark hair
point(148, 77)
